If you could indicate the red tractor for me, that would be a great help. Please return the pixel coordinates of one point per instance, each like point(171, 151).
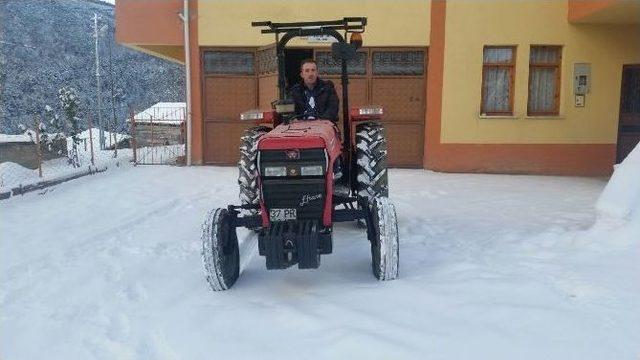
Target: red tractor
point(299, 177)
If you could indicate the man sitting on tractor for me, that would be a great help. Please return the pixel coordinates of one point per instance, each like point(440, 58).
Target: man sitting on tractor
point(314, 98)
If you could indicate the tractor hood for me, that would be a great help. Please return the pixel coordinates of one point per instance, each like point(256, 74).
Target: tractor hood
point(303, 134)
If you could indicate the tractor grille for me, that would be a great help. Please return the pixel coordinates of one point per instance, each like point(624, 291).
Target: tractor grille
point(307, 156)
point(306, 194)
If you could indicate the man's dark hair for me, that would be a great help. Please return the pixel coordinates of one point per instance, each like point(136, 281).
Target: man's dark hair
point(307, 61)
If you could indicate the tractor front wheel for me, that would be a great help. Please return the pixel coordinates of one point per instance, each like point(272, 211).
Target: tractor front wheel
point(220, 253)
point(385, 246)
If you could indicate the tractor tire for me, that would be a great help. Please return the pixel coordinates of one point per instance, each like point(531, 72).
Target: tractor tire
point(371, 161)
point(220, 253)
point(385, 246)
point(248, 168)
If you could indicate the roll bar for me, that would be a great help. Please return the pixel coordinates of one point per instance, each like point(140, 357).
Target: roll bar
point(312, 28)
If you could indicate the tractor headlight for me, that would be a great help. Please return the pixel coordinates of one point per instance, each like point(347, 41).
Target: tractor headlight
point(275, 171)
point(313, 170)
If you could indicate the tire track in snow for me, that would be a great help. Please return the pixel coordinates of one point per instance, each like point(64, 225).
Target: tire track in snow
point(98, 247)
point(392, 333)
point(42, 269)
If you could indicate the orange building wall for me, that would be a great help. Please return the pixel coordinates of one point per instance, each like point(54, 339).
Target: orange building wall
point(579, 9)
point(197, 120)
point(149, 22)
point(136, 17)
point(558, 159)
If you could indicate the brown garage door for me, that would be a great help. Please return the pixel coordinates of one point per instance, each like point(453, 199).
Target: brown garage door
point(230, 87)
point(330, 69)
point(398, 84)
point(393, 78)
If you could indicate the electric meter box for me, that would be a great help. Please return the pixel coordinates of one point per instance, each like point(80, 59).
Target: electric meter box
point(581, 78)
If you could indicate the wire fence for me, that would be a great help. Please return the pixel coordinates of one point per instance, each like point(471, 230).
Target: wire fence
point(37, 155)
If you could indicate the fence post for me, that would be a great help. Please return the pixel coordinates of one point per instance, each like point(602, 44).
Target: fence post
point(153, 139)
point(184, 135)
point(183, 141)
point(91, 140)
point(38, 148)
point(134, 145)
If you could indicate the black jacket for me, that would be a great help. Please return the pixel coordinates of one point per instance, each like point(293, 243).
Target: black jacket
point(326, 99)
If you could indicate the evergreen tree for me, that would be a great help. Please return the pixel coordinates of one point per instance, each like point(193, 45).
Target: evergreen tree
point(56, 125)
point(69, 103)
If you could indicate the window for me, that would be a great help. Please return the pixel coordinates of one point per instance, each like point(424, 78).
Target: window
point(327, 65)
point(544, 80)
point(398, 62)
point(228, 62)
point(267, 61)
point(497, 80)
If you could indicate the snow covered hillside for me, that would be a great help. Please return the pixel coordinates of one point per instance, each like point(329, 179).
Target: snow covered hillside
point(491, 266)
point(45, 45)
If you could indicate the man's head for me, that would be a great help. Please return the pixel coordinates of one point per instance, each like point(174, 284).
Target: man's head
point(309, 72)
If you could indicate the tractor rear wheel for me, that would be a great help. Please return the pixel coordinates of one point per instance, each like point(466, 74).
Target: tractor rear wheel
point(385, 246)
point(248, 167)
point(220, 253)
point(371, 161)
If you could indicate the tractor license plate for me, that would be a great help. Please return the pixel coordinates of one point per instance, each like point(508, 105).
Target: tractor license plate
point(282, 214)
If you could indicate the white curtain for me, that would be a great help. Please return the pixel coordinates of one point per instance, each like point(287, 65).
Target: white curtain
point(498, 55)
point(542, 80)
point(496, 90)
point(544, 54)
point(542, 89)
point(496, 80)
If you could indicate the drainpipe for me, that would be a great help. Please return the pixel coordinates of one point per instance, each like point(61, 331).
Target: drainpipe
point(187, 62)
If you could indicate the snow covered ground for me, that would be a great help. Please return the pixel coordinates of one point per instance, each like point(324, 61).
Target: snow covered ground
point(491, 266)
point(13, 175)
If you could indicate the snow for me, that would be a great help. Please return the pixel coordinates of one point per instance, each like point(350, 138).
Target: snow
point(13, 175)
point(20, 138)
point(170, 113)
point(491, 266)
point(621, 198)
point(28, 136)
point(95, 134)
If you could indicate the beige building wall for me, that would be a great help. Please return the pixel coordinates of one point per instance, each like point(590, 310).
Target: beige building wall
point(472, 24)
point(390, 23)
